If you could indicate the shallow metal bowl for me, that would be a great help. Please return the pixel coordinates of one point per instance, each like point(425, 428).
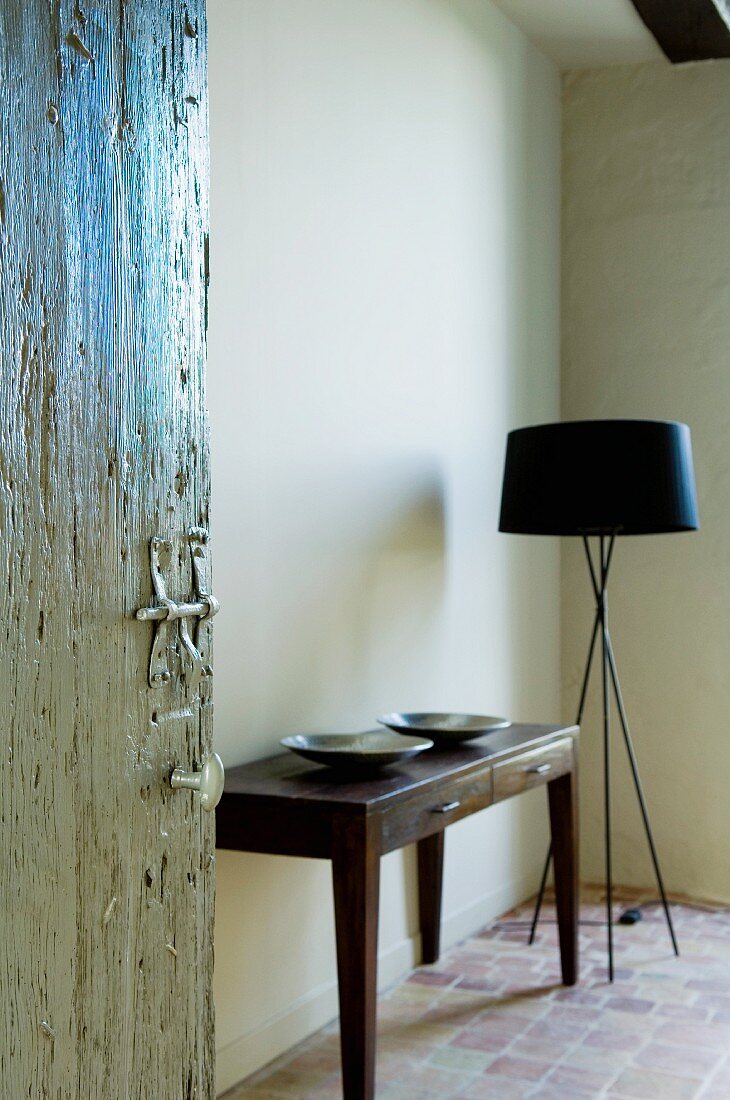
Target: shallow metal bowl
point(444, 727)
point(372, 749)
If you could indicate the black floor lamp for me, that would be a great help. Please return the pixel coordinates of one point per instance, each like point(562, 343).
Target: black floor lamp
point(599, 479)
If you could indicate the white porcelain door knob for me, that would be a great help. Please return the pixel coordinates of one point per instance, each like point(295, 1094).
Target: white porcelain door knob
point(208, 781)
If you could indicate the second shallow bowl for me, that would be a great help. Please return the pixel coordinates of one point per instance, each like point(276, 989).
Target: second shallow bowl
point(444, 727)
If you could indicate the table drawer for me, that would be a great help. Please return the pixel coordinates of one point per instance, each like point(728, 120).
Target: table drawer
point(531, 769)
point(425, 813)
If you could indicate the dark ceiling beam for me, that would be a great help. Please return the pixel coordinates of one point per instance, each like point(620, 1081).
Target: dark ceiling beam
point(688, 30)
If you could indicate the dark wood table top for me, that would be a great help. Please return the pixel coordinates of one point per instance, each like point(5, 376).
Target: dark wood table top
point(290, 778)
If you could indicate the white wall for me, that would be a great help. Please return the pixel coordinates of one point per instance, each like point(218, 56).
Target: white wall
point(384, 307)
point(646, 333)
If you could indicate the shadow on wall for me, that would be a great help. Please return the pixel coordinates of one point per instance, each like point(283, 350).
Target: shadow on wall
point(339, 629)
point(391, 584)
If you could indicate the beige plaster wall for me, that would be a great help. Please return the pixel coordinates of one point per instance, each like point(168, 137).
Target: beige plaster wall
point(646, 333)
point(384, 307)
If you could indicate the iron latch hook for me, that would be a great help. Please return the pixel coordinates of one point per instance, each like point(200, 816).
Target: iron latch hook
point(204, 607)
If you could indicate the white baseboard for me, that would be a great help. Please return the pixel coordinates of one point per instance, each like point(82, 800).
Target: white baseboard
point(470, 918)
point(242, 1057)
point(309, 1013)
point(317, 1008)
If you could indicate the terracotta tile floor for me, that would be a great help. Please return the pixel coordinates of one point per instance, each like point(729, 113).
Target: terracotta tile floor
point(491, 1020)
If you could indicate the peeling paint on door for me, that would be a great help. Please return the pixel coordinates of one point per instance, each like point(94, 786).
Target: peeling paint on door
point(108, 876)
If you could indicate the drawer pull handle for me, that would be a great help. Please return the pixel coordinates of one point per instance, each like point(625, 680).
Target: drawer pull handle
point(447, 806)
point(540, 769)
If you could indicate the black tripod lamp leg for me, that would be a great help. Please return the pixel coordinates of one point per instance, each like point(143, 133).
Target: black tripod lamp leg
point(640, 793)
point(587, 673)
point(605, 559)
point(541, 893)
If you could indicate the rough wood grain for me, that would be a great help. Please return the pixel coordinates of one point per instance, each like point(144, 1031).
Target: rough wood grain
point(107, 882)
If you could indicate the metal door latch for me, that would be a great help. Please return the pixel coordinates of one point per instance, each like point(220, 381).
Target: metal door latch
point(205, 606)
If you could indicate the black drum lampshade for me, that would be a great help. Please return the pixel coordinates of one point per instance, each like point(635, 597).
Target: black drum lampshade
point(586, 477)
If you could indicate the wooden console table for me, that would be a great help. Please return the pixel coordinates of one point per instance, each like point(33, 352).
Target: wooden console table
point(287, 806)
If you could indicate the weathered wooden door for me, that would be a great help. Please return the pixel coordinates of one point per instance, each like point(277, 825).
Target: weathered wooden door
point(107, 873)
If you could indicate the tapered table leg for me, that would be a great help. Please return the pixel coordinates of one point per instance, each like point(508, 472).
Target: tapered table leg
point(356, 881)
point(430, 883)
point(564, 828)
